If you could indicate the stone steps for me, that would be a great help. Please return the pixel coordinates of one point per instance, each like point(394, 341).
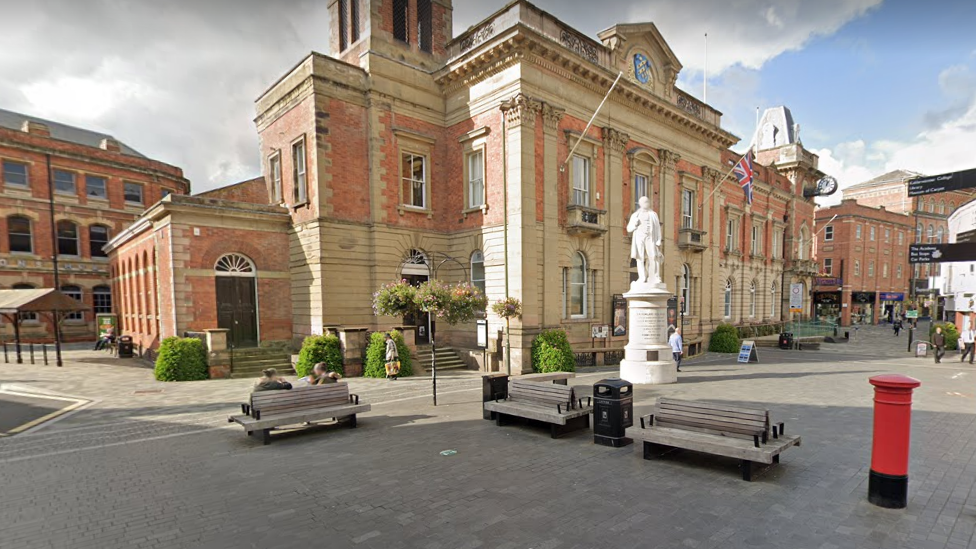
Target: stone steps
point(447, 358)
point(250, 363)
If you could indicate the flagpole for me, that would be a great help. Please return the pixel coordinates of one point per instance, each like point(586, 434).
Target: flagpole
point(590, 123)
point(755, 135)
point(705, 80)
point(726, 176)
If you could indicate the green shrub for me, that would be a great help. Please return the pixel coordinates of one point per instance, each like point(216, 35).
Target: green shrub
point(725, 339)
point(181, 359)
point(551, 352)
point(949, 331)
point(375, 365)
point(322, 348)
point(744, 332)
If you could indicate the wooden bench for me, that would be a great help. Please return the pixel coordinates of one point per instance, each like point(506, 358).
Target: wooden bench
point(554, 404)
point(268, 410)
point(555, 377)
point(732, 431)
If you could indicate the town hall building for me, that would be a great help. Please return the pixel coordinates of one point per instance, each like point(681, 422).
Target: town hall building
point(407, 152)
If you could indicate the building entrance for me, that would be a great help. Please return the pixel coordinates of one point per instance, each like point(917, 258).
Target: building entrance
point(236, 300)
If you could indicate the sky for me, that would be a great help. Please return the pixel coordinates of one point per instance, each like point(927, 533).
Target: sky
point(875, 85)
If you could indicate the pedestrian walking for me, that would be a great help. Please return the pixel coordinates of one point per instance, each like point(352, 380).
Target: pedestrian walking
point(938, 341)
point(677, 346)
point(968, 338)
point(392, 359)
point(897, 327)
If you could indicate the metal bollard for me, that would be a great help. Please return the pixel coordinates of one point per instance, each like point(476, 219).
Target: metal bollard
point(32, 352)
point(44, 349)
point(888, 478)
point(6, 359)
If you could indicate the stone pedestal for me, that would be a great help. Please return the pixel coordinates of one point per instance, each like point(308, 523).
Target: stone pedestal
point(647, 357)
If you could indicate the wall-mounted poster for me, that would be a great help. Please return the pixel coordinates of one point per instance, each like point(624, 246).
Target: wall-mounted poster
point(672, 315)
point(619, 315)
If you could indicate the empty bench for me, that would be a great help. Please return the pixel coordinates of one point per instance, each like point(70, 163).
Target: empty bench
point(549, 403)
point(269, 410)
point(731, 431)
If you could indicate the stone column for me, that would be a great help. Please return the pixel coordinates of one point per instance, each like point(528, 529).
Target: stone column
point(551, 285)
point(523, 248)
point(669, 205)
point(616, 253)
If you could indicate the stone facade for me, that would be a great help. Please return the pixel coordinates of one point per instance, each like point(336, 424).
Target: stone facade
point(100, 186)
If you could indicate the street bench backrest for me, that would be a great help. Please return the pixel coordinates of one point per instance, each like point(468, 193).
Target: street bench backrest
point(300, 398)
point(718, 419)
point(545, 394)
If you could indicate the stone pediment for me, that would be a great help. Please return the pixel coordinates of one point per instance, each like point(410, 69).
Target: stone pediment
point(640, 52)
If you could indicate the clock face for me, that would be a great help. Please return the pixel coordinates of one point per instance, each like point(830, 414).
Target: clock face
point(642, 68)
point(827, 186)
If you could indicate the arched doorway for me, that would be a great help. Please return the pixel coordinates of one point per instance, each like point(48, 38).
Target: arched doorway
point(415, 269)
point(237, 299)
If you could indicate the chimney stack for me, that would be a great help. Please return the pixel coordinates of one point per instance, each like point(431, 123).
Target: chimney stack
point(110, 145)
point(35, 128)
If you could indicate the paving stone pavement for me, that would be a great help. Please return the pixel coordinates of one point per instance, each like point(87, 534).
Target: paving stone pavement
point(139, 468)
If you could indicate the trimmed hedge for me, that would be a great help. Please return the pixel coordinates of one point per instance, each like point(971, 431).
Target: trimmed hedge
point(949, 331)
point(181, 359)
point(725, 339)
point(551, 352)
point(375, 364)
point(321, 348)
point(758, 330)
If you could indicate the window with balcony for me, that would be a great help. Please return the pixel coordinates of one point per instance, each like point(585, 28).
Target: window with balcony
point(687, 209)
point(581, 181)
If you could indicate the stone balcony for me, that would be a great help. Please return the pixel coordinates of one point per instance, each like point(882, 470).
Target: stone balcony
point(805, 267)
point(692, 239)
point(585, 221)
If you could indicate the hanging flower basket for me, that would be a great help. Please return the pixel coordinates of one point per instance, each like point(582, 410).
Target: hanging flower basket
point(508, 308)
point(396, 299)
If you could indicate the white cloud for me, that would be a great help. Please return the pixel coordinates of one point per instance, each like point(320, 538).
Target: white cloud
point(848, 163)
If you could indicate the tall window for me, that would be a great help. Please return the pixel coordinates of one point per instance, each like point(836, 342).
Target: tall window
point(918, 234)
point(96, 187)
point(857, 268)
point(67, 238)
point(14, 174)
point(756, 244)
point(685, 289)
point(581, 180)
point(887, 235)
point(731, 234)
point(828, 266)
point(414, 180)
point(727, 313)
point(901, 238)
point(687, 209)
point(274, 168)
point(640, 189)
point(775, 251)
point(476, 178)
point(773, 298)
point(884, 270)
point(102, 299)
point(898, 271)
point(857, 232)
point(801, 251)
point(19, 233)
point(939, 234)
point(752, 299)
point(931, 233)
point(425, 25)
point(133, 193)
point(26, 316)
point(871, 234)
point(828, 233)
point(298, 172)
point(478, 270)
point(343, 8)
point(354, 20)
point(401, 20)
point(870, 268)
point(578, 287)
point(64, 182)
point(73, 292)
point(98, 238)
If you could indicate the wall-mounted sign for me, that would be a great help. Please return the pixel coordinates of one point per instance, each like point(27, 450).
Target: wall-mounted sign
point(619, 315)
point(823, 281)
point(482, 333)
point(941, 253)
point(600, 331)
point(952, 181)
point(891, 296)
point(796, 297)
point(862, 297)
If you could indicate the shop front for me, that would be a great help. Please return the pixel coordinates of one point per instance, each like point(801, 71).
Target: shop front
point(826, 306)
point(862, 308)
point(892, 304)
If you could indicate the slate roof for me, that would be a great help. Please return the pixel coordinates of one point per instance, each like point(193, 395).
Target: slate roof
point(884, 179)
point(15, 121)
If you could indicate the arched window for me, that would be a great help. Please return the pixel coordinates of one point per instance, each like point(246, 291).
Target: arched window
point(102, 299)
point(235, 265)
point(752, 299)
point(939, 234)
point(67, 238)
point(942, 207)
point(931, 233)
point(19, 233)
point(931, 206)
point(685, 289)
point(73, 292)
point(478, 270)
point(578, 287)
point(918, 234)
point(801, 252)
point(773, 298)
point(26, 316)
point(97, 238)
point(727, 313)
point(857, 268)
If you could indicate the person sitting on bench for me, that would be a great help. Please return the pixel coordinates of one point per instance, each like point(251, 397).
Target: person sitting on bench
point(319, 376)
point(107, 338)
point(271, 382)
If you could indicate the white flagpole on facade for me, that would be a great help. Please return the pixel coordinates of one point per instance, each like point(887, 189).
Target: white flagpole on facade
point(755, 136)
point(590, 123)
point(705, 79)
point(720, 181)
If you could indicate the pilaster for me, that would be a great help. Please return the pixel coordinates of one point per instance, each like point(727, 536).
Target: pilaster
point(551, 285)
point(669, 205)
point(615, 143)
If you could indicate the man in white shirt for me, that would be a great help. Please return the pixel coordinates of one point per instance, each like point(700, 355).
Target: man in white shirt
point(968, 338)
point(676, 346)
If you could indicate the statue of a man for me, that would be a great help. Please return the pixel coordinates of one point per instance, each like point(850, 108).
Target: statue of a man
point(645, 246)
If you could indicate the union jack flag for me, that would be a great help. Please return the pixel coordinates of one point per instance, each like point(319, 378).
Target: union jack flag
point(743, 172)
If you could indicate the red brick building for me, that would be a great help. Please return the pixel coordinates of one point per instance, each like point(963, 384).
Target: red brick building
point(862, 253)
point(99, 187)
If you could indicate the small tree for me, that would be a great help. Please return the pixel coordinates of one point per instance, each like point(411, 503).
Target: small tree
point(181, 359)
point(725, 339)
point(374, 365)
point(551, 352)
point(322, 348)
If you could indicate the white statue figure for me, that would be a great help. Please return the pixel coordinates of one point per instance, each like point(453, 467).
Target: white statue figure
point(645, 246)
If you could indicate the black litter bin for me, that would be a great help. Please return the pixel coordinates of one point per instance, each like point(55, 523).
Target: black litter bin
point(613, 412)
point(125, 347)
point(785, 340)
point(493, 387)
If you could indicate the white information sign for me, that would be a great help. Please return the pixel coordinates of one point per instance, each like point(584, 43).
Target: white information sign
point(796, 297)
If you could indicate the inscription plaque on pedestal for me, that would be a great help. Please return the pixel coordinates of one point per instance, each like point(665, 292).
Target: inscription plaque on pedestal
point(648, 324)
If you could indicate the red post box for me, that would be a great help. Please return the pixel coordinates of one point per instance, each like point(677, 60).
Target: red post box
point(888, 480)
